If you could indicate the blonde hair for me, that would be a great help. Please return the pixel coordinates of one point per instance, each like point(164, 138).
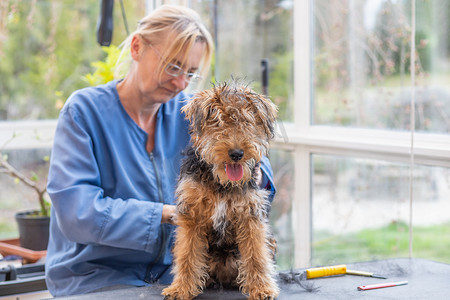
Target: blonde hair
point(179, 28)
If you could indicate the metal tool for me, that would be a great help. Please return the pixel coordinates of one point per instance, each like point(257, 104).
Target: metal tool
point(362, 273)
point(337, 270)
point(381, 285)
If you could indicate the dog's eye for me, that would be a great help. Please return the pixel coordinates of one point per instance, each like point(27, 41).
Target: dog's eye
point(212, 112)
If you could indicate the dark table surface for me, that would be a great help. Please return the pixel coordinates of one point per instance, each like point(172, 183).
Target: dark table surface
point(426, 280)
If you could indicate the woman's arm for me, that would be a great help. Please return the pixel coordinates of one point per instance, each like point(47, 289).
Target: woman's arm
point(84, 214)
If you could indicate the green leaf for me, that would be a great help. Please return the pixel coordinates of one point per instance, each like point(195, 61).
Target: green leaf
point(34, 177)
point(104, 69)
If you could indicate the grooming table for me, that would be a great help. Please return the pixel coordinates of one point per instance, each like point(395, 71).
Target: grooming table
point(426, 280)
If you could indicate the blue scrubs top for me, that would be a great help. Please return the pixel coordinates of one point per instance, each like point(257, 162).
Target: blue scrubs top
point(107, 193)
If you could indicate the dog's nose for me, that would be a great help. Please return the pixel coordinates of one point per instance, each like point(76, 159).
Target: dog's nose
point(236, 154)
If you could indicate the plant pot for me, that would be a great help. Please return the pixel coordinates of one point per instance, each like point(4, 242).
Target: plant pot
point(33, 230)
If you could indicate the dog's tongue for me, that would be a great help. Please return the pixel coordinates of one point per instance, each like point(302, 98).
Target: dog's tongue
point(234, 171)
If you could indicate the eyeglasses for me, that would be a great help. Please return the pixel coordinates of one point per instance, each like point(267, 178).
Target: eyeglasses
point(177, 71)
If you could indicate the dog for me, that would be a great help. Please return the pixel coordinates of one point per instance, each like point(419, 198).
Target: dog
point(223, 234)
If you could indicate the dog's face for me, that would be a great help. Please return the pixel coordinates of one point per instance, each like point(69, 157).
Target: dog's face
point(231, 127)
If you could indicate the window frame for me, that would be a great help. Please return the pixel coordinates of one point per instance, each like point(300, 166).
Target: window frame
point(304, 139)
point(27, 134)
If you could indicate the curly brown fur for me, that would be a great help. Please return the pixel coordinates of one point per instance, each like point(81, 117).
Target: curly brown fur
point(223, 235)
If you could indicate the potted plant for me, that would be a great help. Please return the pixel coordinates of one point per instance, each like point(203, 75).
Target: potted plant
point(33, 225)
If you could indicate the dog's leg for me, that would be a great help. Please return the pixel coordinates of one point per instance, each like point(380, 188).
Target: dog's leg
point(257, 268)
point(190, 256)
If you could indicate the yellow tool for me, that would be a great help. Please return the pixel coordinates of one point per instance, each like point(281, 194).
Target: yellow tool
point(337, 270)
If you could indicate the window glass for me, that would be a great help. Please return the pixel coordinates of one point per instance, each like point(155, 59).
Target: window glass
point(361, 64)
point(46, 47)
point(361, 210)
point(15, 196)
point(281, 210)
point(246, 32)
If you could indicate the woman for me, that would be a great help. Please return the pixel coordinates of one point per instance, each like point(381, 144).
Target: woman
point(116, 159)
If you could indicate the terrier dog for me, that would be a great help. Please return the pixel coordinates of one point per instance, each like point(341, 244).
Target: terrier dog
point(223, 234)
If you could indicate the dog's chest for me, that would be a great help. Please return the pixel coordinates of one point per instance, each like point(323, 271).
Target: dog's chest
point(220, 218)
point(229, 210)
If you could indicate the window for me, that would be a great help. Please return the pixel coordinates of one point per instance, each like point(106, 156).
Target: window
point(43, 56)
point(246, 33)
point(360, 210)
point(361, 64)
point(46, 47)
point(353, 148)
point(340, 73)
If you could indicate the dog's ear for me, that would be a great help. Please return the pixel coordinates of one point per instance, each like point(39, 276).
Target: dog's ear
point(266, 111)
point(195, 113)
point(192, 112)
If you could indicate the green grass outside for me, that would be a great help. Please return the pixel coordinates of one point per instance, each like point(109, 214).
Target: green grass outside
point(431, 242)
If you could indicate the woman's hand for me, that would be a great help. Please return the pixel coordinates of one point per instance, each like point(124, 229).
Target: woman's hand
point(168, 214)
point(258, 175)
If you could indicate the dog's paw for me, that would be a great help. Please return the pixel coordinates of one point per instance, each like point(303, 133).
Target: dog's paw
point(263, 294)
point(263, 297)
point(169, 293)
point(175, 293)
